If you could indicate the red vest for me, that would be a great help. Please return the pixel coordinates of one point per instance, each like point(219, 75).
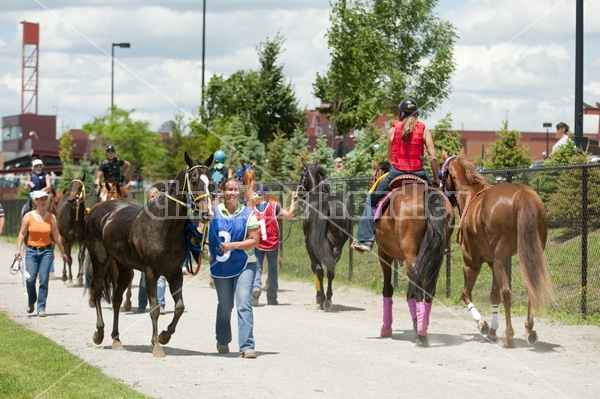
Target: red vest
point(269, 228)
point(408, 155)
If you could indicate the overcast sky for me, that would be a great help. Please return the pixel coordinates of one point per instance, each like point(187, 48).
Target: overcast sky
point(513, 57)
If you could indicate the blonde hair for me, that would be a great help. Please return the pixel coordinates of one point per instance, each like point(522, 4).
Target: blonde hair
point(153, 193)
point(409, 125)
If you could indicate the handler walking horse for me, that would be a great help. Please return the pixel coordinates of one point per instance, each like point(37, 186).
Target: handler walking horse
point(497, 222)
point(150, 239)
point(71, 223)
point(415, 228)
point(326, 227)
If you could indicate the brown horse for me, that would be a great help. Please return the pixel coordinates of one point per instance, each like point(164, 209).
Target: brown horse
point(112, 191)
point(326, 227)
point(415, 228)
point(146, 238)
point(70, 223)
point(497, 222)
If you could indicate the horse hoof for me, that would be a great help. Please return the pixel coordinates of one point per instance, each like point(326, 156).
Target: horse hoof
point(532, 337)
point(79, 282)
point(127, 306)
point(385, 332)
point(64, 277)
point(70, 284)
point(327, 305)
point(158, 352)
point(164, 337)
point(117, 345)
point(98, 338)
point(484, 327)
point(492, 336)
point(421, 341)
point(508, 343)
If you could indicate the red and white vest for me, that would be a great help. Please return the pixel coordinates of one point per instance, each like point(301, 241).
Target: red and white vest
point(269, 228)
point(408, 155)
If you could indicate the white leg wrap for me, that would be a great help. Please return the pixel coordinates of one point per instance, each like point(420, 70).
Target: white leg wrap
point(494, 325)
point(474, 312)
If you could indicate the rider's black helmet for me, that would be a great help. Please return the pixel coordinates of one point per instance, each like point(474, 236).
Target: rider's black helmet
point(408, 107)
point(110, 147)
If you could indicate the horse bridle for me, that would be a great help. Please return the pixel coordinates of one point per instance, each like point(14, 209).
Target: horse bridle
point(241, 171)
point(190, 199)
point(451, 196)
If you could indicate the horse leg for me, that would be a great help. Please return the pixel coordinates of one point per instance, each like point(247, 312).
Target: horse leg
point(99, 270)
point(151, 291)
point(124, 277)
point(81, 260)
point(127, 303)
point(470, 273)
point(327, 302)
point(531, 334)
point(499, 271)
point(318, 276)
point(495, 301)
point(388, 292)
point(175, 286)
point(68, 277)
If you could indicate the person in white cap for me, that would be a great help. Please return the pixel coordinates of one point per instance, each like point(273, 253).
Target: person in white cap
point(37, 180)
point(40, 228)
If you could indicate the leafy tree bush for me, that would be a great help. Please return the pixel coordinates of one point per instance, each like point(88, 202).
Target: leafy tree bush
point(506, 152)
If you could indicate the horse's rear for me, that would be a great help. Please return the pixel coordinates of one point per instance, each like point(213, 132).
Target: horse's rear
point(415, 229)
point(508, 219)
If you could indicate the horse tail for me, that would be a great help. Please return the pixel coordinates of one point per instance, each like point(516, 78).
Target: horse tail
point(532, 225)
point(431, 251)
point(89, 279)
point(317, 234)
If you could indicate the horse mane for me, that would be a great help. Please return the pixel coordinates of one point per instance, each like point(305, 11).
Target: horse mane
point(473, 177)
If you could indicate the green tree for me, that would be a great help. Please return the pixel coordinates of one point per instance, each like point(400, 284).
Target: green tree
point(323, 155)
point(274, 168)
point(444, 139)
point(371, 145)
point(294, 152)
point(65, 153)
point(506, 152)
point(132, 139)
point(381, 52)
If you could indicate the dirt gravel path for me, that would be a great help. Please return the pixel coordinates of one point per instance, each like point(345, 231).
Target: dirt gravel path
point(306, 353)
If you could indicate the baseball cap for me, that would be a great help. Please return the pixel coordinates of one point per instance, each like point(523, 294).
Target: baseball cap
point(37, 162)
point(39, 194)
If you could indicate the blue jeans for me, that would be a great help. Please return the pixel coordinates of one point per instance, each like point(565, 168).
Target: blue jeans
point(143, 295)
point(272, 271)
point(240, 288)
point(38, 262)
point(366, 225)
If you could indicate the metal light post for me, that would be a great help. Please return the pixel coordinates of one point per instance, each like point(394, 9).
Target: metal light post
point(203, 49)
point(112, 73)
point(547, 125)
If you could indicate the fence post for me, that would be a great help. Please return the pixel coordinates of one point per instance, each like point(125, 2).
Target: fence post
point(448, 273)
point(584, 239)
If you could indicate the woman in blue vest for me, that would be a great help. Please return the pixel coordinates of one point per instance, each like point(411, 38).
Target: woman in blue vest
point(406, 141)
point(37, 180)
point(233, 234)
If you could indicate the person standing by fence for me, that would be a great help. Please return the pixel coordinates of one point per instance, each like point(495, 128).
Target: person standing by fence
point(40, 228)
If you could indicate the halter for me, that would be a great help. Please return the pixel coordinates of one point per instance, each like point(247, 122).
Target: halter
point(80, 197)
point(445, 173)
point(191, 200)
point(241, 171)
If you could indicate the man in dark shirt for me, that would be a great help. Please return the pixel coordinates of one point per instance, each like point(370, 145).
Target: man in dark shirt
point(110, 168)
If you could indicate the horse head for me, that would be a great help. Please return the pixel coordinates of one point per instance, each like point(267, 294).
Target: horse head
point(311, 179)
point(195, 183)
point(76, 192)
point(115, 191)
point(458, 173)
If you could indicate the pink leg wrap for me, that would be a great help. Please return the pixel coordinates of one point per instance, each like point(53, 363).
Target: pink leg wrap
point(386, 329)
point(412, 308)
point(423, 311)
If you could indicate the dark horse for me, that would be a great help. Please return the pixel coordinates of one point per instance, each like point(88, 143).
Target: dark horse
point(70, 218)
point(415, 228)
point(147, 238)
point(326, 227)
point(497, 222)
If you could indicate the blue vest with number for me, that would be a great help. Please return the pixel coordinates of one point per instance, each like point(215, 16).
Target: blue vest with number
point(228, 229)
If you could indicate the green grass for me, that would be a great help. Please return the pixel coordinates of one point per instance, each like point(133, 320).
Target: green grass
point(32, 365)
point(563, 257)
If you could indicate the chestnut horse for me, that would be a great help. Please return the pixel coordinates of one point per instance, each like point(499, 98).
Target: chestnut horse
point(146, 238)
point(497, 222)
point(414, 228)
point(326, 226)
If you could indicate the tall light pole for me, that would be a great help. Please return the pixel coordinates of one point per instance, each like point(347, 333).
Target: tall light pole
point(547, 125)
point(203, 48)
point(112, 73)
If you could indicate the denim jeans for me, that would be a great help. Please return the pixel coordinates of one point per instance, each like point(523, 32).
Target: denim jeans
point(366, 225)
point(143, 295)
point(240, 289)
point(38, 262)
point(272, 271)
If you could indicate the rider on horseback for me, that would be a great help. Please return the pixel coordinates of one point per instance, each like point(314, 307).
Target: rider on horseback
point(405, 142)
point(219, 172)
point(36, 180)
point(110, 168)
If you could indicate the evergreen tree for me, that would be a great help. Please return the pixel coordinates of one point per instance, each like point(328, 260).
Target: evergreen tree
point(506, 152)
point(323, 155)
point(87, 175)
point(292, 160)
point(371, 145)
point(65, 153)
point(274, 169)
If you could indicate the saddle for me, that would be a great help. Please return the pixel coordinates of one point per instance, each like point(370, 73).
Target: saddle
point(394, 186)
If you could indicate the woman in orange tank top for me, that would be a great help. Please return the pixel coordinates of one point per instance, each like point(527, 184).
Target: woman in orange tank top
point(40, 228)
